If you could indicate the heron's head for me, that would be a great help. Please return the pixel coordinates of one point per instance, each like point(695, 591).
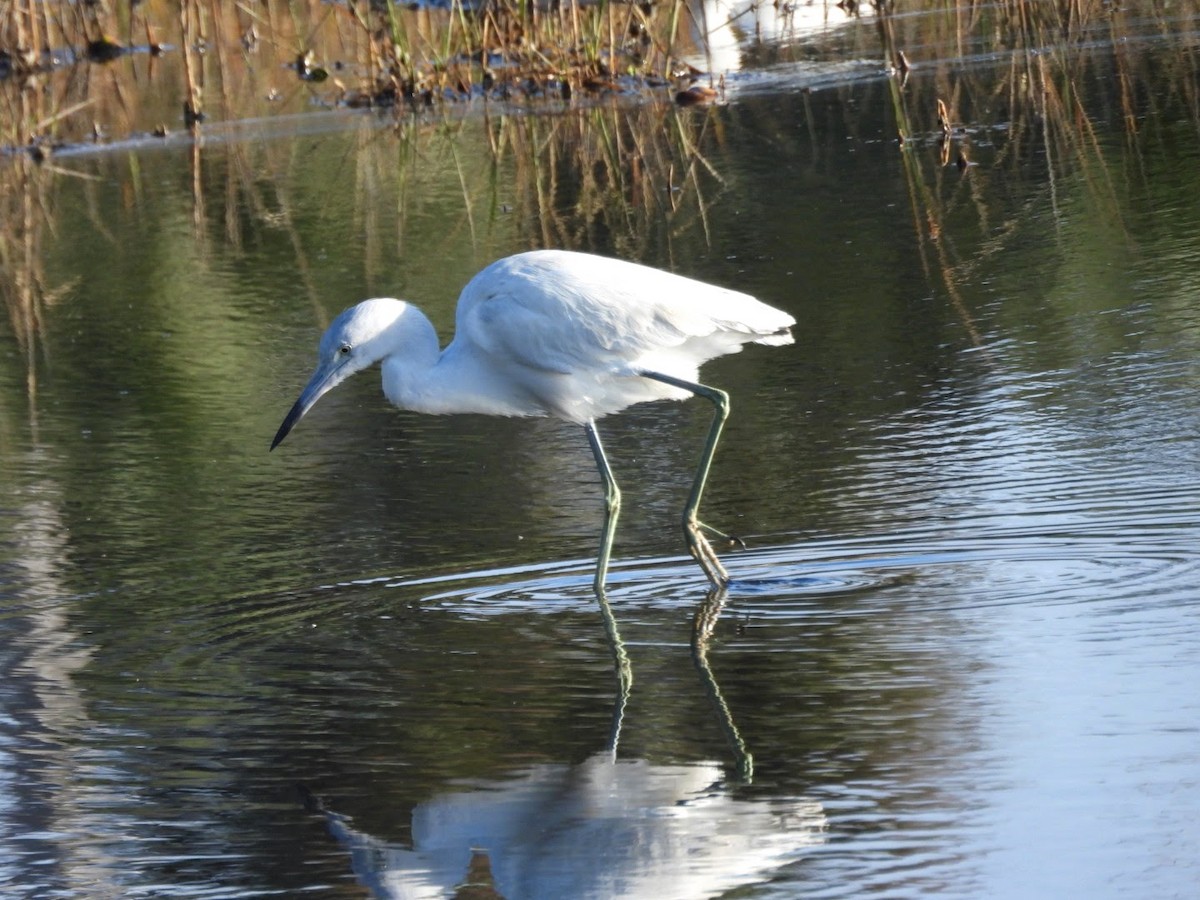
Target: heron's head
point(359, 337)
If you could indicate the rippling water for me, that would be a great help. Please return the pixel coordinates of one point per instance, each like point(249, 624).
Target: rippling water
point(958, 655)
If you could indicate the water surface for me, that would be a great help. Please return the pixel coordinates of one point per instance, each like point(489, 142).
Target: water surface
point(959, 653)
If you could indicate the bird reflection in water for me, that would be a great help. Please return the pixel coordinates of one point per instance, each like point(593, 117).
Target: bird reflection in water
point(608, 827)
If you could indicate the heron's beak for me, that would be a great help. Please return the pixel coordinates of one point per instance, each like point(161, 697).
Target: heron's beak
point(328, 376)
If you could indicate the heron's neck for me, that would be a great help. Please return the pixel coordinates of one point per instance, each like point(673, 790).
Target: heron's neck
point(410, 354)
point(417, 375)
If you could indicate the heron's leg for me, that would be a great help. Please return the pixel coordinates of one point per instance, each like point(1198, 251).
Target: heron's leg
point(612, 505)
point(693, 528)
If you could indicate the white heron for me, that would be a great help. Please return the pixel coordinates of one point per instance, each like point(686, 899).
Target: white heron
point(557, 333)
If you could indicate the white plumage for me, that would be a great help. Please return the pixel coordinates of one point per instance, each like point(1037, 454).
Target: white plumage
point(555, 333)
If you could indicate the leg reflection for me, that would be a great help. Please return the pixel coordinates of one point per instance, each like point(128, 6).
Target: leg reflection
point(702, 628)
point(621, 669)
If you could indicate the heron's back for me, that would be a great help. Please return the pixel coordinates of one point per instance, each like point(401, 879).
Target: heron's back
point(576, 329)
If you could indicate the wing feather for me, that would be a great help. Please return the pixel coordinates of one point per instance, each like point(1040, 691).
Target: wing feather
point(563, 312)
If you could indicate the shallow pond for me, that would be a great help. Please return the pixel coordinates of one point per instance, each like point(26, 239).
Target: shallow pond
point(960, 652)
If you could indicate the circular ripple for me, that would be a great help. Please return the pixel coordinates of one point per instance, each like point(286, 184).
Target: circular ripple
point(984, 564)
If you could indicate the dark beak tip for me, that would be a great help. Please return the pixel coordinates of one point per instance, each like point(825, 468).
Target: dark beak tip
point(279, 436)
point(289, 421)
point(321, 382)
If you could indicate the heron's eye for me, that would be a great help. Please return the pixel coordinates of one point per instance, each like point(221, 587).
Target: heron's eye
point(344, 349)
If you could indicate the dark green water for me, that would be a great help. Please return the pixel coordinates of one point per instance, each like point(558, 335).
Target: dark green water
point(961, 646)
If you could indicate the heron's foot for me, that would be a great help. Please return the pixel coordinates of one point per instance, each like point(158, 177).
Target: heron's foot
point(703, 552)
point(732, 540)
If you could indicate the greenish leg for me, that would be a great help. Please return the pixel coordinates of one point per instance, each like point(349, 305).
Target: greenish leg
point(612, 506)
point(612, 509)
point(693, 528)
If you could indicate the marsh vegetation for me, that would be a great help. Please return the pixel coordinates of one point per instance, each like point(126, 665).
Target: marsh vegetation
point(973, 92)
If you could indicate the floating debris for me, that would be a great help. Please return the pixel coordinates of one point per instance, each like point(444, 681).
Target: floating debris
point(192, 114)
point(600, 84)
point(697, 94)
point(103, 50)
point(306, 70)
point(943, 119)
